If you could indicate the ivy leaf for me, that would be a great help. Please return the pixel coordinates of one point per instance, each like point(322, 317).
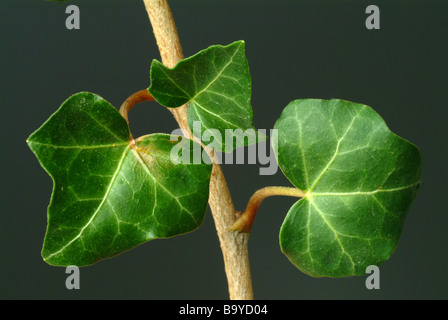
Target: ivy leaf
point(360, 180)
point(112, 193)
point(217, 85)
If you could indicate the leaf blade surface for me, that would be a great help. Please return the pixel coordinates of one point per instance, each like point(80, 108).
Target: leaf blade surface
point(112, 193)
point(217, 85)
point(360, 180)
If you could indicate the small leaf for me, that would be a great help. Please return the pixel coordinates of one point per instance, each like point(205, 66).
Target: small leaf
point(216, 82)
point(112, 193)
point(360, 180)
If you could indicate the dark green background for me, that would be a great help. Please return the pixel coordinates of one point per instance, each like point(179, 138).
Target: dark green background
point(296, 49)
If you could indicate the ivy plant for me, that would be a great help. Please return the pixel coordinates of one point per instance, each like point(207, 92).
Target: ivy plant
point(355, 179)
point(359, 181)
point(112, 192)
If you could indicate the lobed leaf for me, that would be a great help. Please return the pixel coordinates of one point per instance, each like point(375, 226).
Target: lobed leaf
point(217, 85)
point(112, 193)
point(360, 180)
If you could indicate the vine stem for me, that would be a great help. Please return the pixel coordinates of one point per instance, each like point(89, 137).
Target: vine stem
point(234, 245)
point(245, 221)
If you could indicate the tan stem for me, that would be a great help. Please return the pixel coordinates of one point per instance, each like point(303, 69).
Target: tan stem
point(233, 244)
point(170, 49)
point(245, 221)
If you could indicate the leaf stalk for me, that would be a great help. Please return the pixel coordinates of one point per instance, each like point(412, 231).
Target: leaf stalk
point(134, 99)
point(246, 220)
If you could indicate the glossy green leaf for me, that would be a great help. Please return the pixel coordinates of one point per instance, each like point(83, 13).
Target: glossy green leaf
point(112, 193)
point(217, 85)
point(360, 179)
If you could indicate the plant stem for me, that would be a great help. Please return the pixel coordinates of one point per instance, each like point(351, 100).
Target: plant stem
point(136, 98)
point(245, 221)
point(234, 245)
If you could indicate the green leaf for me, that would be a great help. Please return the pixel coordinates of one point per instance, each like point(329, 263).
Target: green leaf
point(360, 180)
point(217, 85)
point(112, 193)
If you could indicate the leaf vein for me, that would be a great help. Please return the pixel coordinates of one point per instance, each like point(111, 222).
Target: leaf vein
point(337, 149)
point(99, 206)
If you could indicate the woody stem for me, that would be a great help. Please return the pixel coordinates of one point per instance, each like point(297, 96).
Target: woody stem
point(234, 245)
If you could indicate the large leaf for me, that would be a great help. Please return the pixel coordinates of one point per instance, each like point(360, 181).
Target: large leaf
point(216, 82)
point(112, 193)
point(360, 180)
